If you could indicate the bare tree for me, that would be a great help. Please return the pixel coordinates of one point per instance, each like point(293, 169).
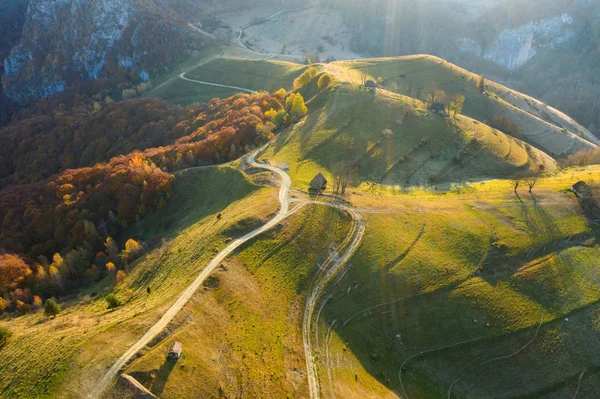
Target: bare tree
point(517, 182)
point(363, 77)
point(533, 180)
point(344, 173)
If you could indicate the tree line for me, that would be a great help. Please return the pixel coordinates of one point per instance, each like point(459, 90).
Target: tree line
point(57, 233)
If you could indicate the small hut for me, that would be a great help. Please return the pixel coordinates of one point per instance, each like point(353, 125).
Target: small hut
point(582, 190)
point(318, 183)
point(175, 350)
point(438, 108)
point(371, 86)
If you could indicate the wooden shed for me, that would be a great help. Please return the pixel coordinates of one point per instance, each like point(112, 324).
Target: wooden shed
point(438, 108)
point(318, 183)
point(581, 189)
point(371, 86)
point(175, 350)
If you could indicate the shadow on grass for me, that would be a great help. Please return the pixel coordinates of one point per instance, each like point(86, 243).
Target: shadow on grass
point(162, 375)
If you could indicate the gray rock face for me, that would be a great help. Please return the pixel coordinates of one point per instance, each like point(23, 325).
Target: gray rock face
point(66, 42)
point(514, 47)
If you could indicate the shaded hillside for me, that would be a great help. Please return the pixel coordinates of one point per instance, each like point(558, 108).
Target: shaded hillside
point(12, 18)
point(418, 76)
point(65, 44)
point(393, 139)
point(252, 74)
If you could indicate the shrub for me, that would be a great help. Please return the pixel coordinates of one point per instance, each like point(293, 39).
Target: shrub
point(2, 305)
point(120, 276)
point(306, 77)
point(113, 301)
point(131, 251)
point(128, 294)
point(5, 335)
point(298, 108)
point(324, 81)
point(52, 308)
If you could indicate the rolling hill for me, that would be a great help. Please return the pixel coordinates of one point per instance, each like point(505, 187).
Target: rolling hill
point(394, 140)
point(415, 76)
point(459, 286)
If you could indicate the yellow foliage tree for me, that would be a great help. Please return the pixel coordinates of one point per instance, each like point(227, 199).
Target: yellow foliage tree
point(110, 267)
point(324, 81)
point(281, 93)
point(131, 250)
point(37, 302)
point(120, 276)
point(298, 109)
point(306, 77)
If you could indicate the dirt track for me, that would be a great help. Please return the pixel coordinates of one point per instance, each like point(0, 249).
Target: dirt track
point(329, 271)
point(185, 296)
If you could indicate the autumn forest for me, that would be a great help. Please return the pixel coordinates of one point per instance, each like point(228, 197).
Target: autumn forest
point(74, 173)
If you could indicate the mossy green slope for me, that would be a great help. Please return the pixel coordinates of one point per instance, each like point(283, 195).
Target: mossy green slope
point(64, 356)
point(415, 76)
point(251, 74)
point(465, 282)
point(394, 140)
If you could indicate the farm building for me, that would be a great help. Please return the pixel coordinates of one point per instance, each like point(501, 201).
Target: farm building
point(438, 108)
point(371, 86)
point(318, 183)
point(175, 350)
point(581, 189)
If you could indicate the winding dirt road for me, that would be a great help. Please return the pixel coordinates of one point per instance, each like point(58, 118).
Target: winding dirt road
point(316, 291)
point(182, 76)
point(331, 268)
point(185, 296)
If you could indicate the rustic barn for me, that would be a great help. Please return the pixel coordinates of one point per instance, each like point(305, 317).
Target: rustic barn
point(438, 108)
point(318, 183)
point(371, 86)
point(175, 350)
point(581, 189)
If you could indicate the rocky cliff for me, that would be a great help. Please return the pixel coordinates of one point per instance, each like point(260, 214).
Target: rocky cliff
point(65, 43)
point(512, 48)
point(549, 49)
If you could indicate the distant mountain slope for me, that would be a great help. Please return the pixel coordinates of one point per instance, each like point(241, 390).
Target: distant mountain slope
point(546, 48)
point(416, 76)
point(12, 18)
point(66, 43)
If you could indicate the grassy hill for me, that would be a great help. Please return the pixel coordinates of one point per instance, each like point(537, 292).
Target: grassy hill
point(415, 76)
point(241, 333)
point(472, 288)
point(459, 282)
point(250, 74)
point(394, 140)
point(63, 356)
